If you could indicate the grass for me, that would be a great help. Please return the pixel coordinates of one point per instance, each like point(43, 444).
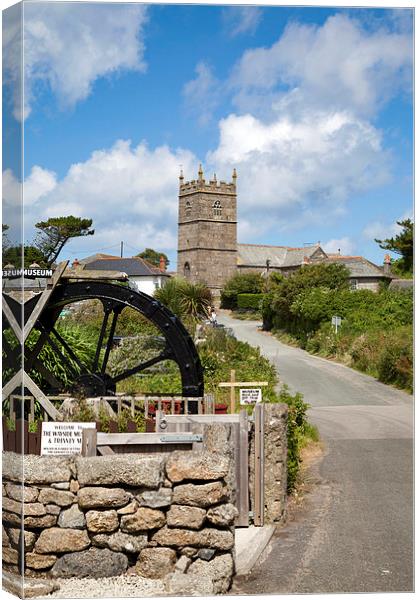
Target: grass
point(246, 315)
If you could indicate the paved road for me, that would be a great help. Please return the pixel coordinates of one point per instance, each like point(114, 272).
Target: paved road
point(355, 533)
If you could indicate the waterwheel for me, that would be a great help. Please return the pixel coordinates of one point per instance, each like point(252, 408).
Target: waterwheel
point(69, 288)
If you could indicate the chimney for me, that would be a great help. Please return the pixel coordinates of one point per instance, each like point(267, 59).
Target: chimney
point(387, 264)
point(162, 264)
point(75, 263)
point(306, 260)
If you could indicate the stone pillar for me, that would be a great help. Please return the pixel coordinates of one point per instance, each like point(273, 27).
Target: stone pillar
point(275, 462)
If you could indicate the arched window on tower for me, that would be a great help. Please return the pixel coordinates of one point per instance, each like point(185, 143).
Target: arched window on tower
point(188, 208)
point(217, 208)
point(187, 270)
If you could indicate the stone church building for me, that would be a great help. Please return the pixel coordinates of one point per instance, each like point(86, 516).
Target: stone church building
point(208, 249)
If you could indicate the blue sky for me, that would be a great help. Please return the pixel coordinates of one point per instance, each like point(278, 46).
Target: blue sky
point(312, 106)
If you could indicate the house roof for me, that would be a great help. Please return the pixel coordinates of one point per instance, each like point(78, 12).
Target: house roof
point(401, 284)
point(133, 266)
point(93, 257)
point(357, 265)
point(256, 255)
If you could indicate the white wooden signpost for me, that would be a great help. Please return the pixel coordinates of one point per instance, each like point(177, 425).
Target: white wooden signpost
point(232, 384)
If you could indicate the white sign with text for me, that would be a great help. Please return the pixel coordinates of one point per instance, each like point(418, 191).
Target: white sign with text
point(58, 439)
point(250, 395)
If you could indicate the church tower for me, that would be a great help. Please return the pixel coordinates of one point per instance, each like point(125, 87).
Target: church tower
point(207, 237)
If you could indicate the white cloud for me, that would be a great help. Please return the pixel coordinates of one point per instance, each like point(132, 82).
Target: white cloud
point(39, 183)
point(67, 46)
point(343, 245)
point(11, 189)
point(241, 19)
point(296, 171)
point(130, 192)
point(381, 231)
point(338, 65)
point(202, 94)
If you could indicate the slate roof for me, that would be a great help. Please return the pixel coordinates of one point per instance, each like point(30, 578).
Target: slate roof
point(94, 257)
point(357, 265)
point(133, 266)
point(401, 284)
point(256, 255)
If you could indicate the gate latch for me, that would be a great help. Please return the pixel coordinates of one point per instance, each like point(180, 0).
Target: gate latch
point(193, 437)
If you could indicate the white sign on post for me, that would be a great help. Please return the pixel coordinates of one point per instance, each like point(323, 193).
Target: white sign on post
point(60, 439)
point(336, 322)
point(250, 395)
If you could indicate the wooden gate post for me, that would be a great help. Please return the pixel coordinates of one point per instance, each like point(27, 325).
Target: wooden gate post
point(89, 438)
point(259, 466)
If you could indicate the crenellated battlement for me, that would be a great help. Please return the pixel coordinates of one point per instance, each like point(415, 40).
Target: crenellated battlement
point(211, 186)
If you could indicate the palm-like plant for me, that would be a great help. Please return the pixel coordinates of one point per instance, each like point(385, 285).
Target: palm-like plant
point(189, 301)
point(169, 295)
point(195, 300)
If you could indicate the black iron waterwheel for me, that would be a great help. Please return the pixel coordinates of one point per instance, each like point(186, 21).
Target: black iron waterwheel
point(93, 380)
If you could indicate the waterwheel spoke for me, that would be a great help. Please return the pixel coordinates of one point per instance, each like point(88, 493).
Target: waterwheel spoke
point(167, 353)
point(100, 340)
point(32, 354)
point(47, 375)
point(110, 339)
point(11, 354)
point(69, 350)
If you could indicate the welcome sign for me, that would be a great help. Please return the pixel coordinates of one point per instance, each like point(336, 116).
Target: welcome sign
point(61, 439)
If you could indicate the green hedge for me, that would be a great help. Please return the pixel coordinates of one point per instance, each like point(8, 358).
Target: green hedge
point(249, 301)
point(241, 283)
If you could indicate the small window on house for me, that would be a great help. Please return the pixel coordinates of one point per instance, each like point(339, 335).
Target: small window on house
point(188, 209)
point(353, 284)
point(187, 270)
point(217, 208)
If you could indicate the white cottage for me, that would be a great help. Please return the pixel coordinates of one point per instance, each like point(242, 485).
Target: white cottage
point(141, 274)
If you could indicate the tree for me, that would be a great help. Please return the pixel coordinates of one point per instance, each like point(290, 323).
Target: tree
point(153, 257)
point(240, 283)
point(277, 309)
point(401, 244)
point(13, 255)
point(56, 232)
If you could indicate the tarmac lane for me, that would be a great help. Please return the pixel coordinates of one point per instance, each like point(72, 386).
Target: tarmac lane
point(354, 532)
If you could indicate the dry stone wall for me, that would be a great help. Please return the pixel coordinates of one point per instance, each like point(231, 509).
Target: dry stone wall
point(162, 516)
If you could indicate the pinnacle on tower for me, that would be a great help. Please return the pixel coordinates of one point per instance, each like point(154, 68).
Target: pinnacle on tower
point(181, 176)
point(200, 173)
point(234, 176)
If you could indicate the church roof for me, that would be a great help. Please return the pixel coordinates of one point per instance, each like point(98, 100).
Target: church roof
point(256, 255)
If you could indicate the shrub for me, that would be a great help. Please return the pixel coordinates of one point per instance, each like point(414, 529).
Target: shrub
point(134, 351)
point(289, 316)
point(83, 346)
point(299, 431)
point(249, 301)
point(189, 301)
point(241, 283)
point(89, 314)
point(395, 360)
